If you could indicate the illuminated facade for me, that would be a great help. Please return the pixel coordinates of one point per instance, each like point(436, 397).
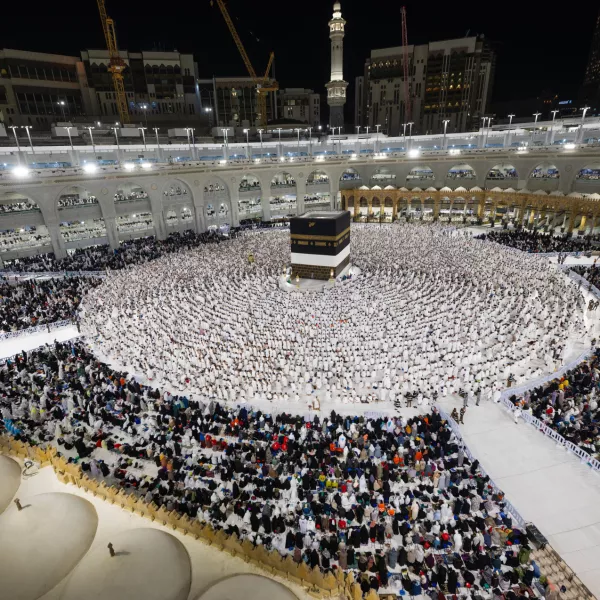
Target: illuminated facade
point(336, 88)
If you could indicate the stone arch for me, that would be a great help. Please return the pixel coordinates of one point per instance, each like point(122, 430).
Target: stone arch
point(501, 172)
point(317, 177)
point(461, 171)
point(420, 173)
point(250, 197)
point(23, 229)
point(283, 199)
point(544, 171)
point(589, 173)
point(178, 198)
point(80, 219)
point(382, 177)
point(217, 202)
point(130, 191)
point(350, 178)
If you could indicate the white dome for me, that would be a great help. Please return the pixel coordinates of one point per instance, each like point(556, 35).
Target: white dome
point(540, 193)
point(41, 544)
point(133, 572)
point(10, 479)
point(248, 587)
point(460, 188)
point(446, 189)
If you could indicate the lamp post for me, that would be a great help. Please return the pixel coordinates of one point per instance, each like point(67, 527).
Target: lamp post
point(62, 103)
point(246, 131)
point(489, 128)
point(116, 129)
point(509, 130)
point(280, 148)
point(445, 121)
point(309, 141)
point(89, 128)
point(260, 132)
point(14, 128)
point(190, 136)
point(377, 137)
point(404, 136)
point(410, 126)
point(68, 128)
point(27, 128)
point(144, 107)
point(225, 131)
point(536, 115)
point(142, 129)
point(585, 109)
point(157, 143)
point(550, 139)
point(298, 130)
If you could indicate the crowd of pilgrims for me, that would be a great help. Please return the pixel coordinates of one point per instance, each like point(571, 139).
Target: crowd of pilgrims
point(569, 405)
point(41, 301)
point(537, 242)
point(100, 258)
point(590, 273)
point(395, 500)
point(430, 314)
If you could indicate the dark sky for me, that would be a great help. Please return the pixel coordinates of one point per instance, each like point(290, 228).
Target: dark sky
point(538, 47)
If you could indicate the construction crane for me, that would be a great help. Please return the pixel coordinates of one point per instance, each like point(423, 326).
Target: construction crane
point(407, 91)
point(116, 65)
point(262, 84)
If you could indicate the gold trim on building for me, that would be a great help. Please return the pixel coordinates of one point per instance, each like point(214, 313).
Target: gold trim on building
point(320, 238)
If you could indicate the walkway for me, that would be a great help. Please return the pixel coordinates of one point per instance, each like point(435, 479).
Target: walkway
point(545, 483)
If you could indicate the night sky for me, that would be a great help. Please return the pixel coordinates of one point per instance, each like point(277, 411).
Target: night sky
point(539, 48)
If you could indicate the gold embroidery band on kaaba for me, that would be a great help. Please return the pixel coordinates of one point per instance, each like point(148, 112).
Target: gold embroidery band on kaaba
point(320, 238)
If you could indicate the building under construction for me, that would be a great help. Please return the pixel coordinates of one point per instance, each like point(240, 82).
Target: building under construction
point(449, 80)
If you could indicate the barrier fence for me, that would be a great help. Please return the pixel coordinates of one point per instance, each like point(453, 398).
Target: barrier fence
point(53, 274)
point(46, 327)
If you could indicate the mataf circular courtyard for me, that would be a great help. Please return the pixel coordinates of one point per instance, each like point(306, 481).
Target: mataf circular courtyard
point(433, 312)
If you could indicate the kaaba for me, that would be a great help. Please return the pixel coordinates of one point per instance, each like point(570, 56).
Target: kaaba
point(320, 244)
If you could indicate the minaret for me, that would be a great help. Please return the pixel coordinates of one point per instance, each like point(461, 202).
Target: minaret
point(336, 88)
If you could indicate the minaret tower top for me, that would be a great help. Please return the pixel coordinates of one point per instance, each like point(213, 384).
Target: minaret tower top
point(336, 88)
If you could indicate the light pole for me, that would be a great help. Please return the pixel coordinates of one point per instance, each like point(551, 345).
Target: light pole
point(585, 109)
point(404, 136)
point(280, 148)
point(116, 129)
point(191, 146)
point(14, 128)
point(298, 130)
point(144, 107)
point(377, 137)
point(157, 143)
point(445, 121)
point(550, 139)
point(489, 128)
point(410, 126)
point(92, 139)
point(260, 132)
point(246, 131)
point(483, 131)
point(309, 141)
point(225, 130)
point(27, 128)
point(509, 130)
point(62, 103)
point(536, 115)
point(68, 128)
point(142, 129)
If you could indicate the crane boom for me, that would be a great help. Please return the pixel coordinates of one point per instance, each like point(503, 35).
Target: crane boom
point(116, 65)
point(261, 83)
point(407, 110)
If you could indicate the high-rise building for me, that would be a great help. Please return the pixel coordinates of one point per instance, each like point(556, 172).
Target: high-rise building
point(38, 89)
point(448, 80)
point(336, 88)
point(300, 105)
point(160, 86)
point(590, 91)
point(233, 101)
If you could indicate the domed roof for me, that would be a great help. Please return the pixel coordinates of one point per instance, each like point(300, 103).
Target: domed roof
point(337, 7)
point(132, 572)
point(41, 544)
point(248, 587)
point(10, 479)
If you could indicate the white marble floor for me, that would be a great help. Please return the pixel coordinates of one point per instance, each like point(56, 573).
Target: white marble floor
point(15, 345)
point(546, 484)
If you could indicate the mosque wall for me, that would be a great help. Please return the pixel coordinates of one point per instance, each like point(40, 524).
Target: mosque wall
point(180, 198)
